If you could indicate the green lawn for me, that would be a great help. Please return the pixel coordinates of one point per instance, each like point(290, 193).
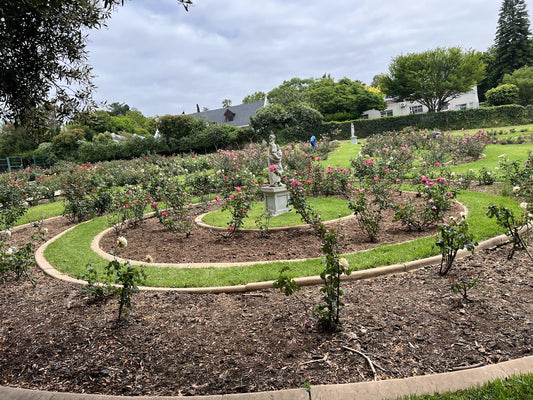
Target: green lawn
point(495, 131)
point(72, 252)
point(328, 207)
point(46, 210)
point(518, 387)
point(341, 156)
point(492, 153)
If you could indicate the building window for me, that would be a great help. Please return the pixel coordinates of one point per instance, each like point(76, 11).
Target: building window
point(229, 115)
point(364, 116)
point(416, 110)
point(445, 107)
point(386, 113)
point(460, 107)
point(471, 105)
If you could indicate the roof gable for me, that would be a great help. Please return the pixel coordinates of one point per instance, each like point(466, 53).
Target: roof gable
point(235, 115)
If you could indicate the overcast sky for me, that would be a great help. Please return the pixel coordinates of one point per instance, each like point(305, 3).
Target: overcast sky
point(160, 59)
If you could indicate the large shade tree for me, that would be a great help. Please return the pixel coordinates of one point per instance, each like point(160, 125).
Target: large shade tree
point(345, 99)
point(44, 58)
point(433, 77)
point(290, 93)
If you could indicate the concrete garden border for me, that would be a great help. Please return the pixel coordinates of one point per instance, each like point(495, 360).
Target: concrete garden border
point(374, 390)
point(387, 389)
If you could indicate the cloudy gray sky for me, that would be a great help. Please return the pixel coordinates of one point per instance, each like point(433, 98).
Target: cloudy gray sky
point(160, 59)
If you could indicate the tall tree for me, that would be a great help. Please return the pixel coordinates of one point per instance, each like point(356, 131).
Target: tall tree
point(512, 48)
point(290, 93)
point(252, 98)
point(342, 100)
point(433, 77)
point(44, 58)
point(117, 108)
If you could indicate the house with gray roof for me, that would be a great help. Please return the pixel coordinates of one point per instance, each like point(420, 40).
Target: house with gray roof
point(238, 116)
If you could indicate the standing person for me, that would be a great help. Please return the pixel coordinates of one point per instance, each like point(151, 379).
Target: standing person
point(313, 141)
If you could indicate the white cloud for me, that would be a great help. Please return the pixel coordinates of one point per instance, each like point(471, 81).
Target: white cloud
point(160, 59)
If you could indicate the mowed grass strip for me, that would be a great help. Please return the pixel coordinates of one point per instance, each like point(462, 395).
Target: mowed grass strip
point(71, 253)
point(518, 387)
point(328, 207)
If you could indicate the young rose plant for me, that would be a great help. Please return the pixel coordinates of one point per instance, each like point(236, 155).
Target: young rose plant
point(175, 217)
point(453, 236)
point(334, 267)
point(463, 284)
point(238, 203)
point(512, 224)
point(368, 217)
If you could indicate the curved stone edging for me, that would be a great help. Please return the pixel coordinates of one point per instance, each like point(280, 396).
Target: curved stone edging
point(95, 246)
point(19, 227)
point(198, 221)
point(253, 286)
point(373, 390)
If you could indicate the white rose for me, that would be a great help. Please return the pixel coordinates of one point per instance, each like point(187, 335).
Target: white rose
point(343, 262)
point(122, 242)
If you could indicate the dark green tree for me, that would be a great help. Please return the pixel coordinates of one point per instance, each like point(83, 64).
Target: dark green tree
point(342, 100)
point(523, 79)
point(433, 77)
point(252, 98)
point(512, 47)
point(44, 58)
point(290, 93)
point(115, 109)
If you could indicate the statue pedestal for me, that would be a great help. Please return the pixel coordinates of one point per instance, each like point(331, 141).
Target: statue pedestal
point(354, 139)
point(276, 200)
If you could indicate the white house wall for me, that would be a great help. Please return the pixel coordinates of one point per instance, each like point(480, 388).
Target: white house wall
point(466, 100)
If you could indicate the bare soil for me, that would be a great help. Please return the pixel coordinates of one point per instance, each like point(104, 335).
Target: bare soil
point(207, 245)
point(54, 338)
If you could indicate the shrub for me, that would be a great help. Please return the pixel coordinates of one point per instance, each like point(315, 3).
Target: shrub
point(238, 203)
point(368, 219)
point(76, 192)
point(453, 236)
point(512, 224)
point(175, 216)
point(13, 203)
point(127, 278)
point(502, 95)
point(485, 177)
point(328, 313)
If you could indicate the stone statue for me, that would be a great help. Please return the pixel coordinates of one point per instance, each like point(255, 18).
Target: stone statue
point(275, 169)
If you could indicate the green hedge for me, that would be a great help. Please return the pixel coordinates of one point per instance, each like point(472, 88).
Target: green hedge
point(484, 117)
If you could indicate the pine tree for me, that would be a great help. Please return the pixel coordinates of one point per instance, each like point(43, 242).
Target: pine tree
point(512, 48)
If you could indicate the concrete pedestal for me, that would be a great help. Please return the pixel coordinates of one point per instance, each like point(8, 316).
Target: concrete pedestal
point(354, 139)
point(276, 199)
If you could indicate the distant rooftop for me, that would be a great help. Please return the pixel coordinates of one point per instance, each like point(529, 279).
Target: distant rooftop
point(234, 115)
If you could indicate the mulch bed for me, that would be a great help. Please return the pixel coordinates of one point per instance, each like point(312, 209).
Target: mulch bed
point(206, 245)
point(54, 338)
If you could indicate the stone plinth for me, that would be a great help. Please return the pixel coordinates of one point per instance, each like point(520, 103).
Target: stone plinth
point(276, 199)
point(354, 139)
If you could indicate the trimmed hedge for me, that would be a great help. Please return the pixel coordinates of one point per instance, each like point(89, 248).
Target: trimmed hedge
point(483, 117)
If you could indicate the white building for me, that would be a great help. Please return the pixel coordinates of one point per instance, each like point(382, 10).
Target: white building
point(394, 109)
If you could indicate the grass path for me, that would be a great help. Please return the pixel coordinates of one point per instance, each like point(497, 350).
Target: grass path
point(71, 253)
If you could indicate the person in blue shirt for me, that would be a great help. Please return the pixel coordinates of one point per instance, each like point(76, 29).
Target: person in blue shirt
point(313, 141)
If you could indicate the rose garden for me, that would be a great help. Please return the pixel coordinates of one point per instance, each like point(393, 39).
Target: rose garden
point(182, 284)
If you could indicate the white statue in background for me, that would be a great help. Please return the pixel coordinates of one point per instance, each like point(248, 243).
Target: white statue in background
point(275, 169)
